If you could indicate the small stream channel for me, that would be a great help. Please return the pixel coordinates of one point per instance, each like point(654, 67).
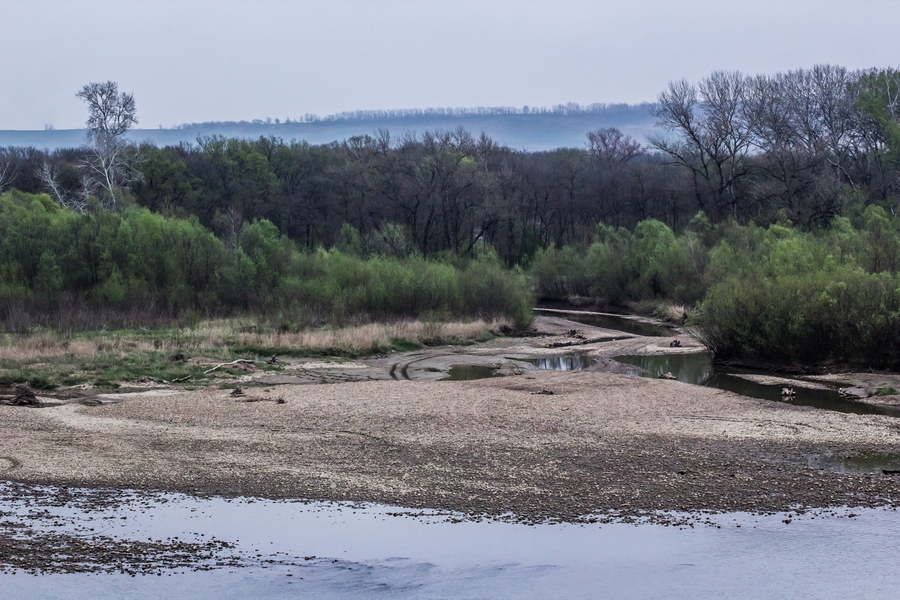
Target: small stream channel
point(574, 361)
point(698, 369)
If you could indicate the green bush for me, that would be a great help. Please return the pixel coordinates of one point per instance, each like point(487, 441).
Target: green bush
point(139, 263)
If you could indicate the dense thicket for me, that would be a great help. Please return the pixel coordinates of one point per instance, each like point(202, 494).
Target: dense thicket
point(64, 268)
point(773, 293)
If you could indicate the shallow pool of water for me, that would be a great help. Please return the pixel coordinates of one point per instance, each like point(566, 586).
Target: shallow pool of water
point(609, 321)
point(470, 372)
point(698, 369)
point(868, 462)
point(367, 552)
point(575, 361)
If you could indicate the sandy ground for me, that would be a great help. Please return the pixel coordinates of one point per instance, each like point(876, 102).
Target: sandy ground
point(543, 445)
point(539, 444)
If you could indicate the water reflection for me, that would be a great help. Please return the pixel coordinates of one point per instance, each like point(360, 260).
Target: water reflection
point(868, 462)
point(564, 362)
point(689, 368)
point(470, 372)
point(698, 369)
point(341, 551)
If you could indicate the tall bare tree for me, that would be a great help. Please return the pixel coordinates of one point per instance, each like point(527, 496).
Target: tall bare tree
point(7, 169)
point(111, 165)
point(713, 125)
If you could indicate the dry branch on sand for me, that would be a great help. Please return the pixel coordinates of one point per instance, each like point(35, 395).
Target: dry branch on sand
point(24, 396)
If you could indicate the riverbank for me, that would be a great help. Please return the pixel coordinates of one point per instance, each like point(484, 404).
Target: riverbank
point(536, 444)
point(542, 446)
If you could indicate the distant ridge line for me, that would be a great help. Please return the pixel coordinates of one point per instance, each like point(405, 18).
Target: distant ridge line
point(569, 109)
point(526, 128)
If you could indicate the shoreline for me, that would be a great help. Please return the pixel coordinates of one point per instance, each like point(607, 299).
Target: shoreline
point(543, 445)
point(598, 443)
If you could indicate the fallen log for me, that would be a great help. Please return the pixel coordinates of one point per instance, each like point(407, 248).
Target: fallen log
point(230, 364)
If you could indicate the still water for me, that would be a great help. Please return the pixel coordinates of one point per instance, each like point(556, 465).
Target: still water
point(575, 361)
point(365, 552)
point(698, 369)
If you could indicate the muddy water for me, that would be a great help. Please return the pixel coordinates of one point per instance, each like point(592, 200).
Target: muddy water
point(328, 550)
point(868, 462)
point(470, 372)
point(574, 361)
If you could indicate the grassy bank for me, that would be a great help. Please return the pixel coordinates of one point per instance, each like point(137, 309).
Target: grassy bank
point(49, 359)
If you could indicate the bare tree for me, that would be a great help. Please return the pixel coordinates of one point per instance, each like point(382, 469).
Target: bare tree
point(110, 113)
point(48, 174)
point(714, 124)
point(113, 160)
point(7, 169)
point(611, 145)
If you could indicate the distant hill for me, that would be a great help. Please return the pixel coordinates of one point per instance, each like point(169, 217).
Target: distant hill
point(526, 129)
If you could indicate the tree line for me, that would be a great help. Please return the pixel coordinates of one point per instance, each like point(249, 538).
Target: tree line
point(753, 149)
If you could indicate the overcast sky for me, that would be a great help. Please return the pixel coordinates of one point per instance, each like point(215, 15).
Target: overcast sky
point(197, 60)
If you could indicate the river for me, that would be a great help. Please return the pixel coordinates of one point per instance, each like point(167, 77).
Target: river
point(329, 550)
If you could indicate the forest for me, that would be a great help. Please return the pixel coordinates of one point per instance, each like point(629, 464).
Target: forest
point(766, 206)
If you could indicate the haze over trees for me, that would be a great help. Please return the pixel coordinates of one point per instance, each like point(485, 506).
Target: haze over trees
point(525, 128)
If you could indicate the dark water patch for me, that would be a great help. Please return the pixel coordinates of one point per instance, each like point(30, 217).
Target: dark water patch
point(610, 321)
point(470, 372)
point(886, 463)
point(698, 369)
point(565, 362)
point(695, 368)
point(575, 361)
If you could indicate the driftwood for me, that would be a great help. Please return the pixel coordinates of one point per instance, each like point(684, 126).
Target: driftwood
point(240, 361)
point(584, 341)
point(24, 396)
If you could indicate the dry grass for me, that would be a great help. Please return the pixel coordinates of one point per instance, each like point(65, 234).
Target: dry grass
point(372, 337)
point(674, 313)
point(214, 337)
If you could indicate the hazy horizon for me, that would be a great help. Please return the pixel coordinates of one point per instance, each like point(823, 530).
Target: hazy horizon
point(232, 60)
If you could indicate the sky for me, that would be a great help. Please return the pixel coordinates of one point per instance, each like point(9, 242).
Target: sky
point(198, 60)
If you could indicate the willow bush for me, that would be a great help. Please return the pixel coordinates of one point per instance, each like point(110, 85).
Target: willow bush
point(133, 266)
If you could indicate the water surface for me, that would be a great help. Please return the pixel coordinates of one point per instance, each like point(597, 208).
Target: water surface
point(470, 372)
point(367, 552)
point(698, 369)
point(575, 361)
